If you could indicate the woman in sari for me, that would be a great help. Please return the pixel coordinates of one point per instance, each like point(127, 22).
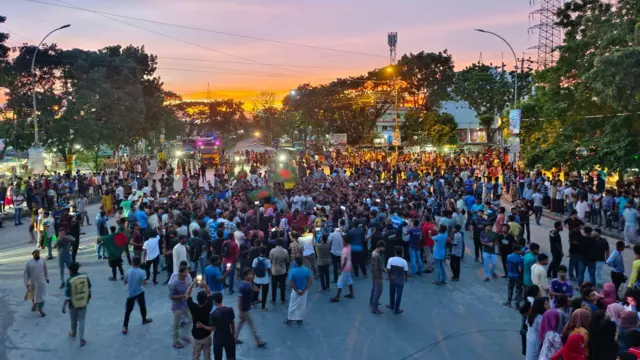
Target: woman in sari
point(550, 334)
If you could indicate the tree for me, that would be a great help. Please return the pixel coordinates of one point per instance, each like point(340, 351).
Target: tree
point(427, 78)
point(4, 55)
point(88, 98)
point(431, 127)
point(592, 93)
point(486, 90)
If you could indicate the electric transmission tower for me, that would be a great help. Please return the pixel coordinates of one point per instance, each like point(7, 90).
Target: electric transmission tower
point(392, 40)
point(549, 34)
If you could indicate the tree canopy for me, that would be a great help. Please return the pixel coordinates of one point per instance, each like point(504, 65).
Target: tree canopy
point(586, 110)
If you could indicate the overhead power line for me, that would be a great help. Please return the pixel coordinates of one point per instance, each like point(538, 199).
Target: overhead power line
point(178, 39)
point(213, 31)
point(247, 63)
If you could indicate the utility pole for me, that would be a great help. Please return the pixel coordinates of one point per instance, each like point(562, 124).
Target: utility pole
point(392, 41)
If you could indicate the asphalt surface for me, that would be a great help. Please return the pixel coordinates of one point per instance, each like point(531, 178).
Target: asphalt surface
point(455, 321)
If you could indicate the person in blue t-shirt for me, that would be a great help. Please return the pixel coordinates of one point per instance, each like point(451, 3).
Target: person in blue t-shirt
point(415, 245)
point(141, 218)
point(440, 255)
point(299, 280)
point(213, 276)
point(135, 280)
point(515, 269)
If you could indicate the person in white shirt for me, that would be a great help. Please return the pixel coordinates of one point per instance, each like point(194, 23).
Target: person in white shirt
point(582, 208)
point(151, 255)
point(537, 205)
point(180, 251)
point(309, 253)
point(194, 226)
point(119, 193)
point(336, 242)
point(152, 220)
point(238, 235)
point(134, 185)
point(539, 273)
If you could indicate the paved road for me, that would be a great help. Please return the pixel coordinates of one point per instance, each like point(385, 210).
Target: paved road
point(449, 322)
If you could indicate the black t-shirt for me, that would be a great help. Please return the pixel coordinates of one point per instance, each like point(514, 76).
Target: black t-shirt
point(573, 224)
point(222, 318)
point(602, 249)
point(555, 242)
point(246, 292)
point(575, 237)
point(588, 249)
point(200, 314)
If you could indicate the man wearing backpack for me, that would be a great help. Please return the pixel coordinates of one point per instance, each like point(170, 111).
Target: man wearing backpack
point(77, 295)
point(229, 252)
point(261, 266)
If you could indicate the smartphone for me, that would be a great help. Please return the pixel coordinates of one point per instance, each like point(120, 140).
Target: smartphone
point(199, 278)
point(343, 208)
point(377, 200)
point(228, 266)
point(257, 202)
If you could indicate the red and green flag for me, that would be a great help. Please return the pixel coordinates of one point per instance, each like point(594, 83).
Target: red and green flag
point(260, 193)
point(284, 174)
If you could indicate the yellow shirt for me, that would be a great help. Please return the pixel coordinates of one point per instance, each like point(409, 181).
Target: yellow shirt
point(634, 273)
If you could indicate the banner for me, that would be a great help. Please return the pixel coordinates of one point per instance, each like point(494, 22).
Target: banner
point(338, 139)
point(36, 160)
point(514, 121)
point(397, 141)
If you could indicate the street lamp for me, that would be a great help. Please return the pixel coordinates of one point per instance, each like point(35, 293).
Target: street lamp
point(515, 58)
point(36, 139)
point(257, 134)
point(292, 93)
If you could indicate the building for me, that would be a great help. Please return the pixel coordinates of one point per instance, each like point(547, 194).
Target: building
point(469, 129)
point(387, 122)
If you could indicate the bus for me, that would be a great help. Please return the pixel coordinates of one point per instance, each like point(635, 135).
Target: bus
point(209, 151)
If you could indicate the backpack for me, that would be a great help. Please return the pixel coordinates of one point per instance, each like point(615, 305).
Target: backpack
point(80, 294)
point(261, 268)
point(226, 249)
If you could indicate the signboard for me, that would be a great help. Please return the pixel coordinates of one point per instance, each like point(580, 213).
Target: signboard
point(514, 121)
point(105, 151)
point(338, 139)
point(70, 162)
point(36, 160)
point(396, 140)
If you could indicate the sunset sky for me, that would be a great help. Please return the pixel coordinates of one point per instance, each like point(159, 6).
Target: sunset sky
point(191, 59)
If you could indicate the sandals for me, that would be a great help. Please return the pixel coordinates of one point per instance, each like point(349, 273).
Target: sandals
point(288, 322)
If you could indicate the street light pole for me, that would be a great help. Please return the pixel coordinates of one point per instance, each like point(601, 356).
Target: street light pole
point(515, 58)
point(36, 138)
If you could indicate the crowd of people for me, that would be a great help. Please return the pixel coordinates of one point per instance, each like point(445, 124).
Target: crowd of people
point(365, 217)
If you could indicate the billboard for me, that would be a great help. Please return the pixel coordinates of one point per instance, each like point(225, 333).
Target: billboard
point(338, 139)
point(514, 121)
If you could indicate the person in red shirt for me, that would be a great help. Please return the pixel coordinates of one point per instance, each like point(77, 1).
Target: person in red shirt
point(229, 252)
point(428, 230)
